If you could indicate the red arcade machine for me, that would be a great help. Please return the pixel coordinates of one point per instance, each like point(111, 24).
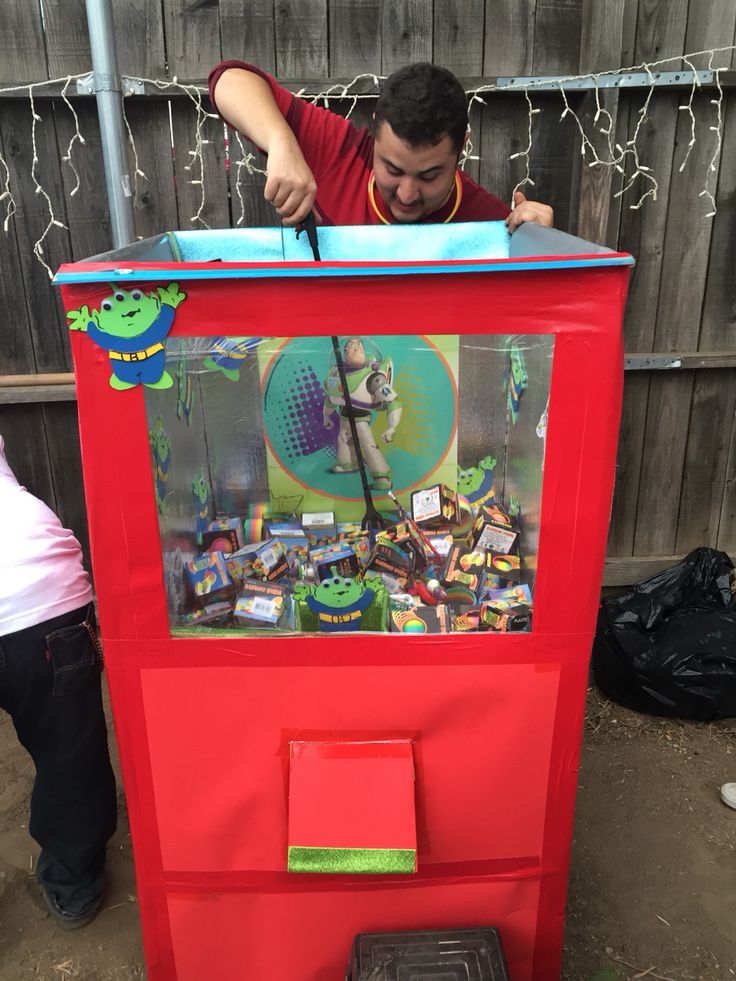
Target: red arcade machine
point(329, 728)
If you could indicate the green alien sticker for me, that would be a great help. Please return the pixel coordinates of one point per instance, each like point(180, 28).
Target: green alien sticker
point(131, 326)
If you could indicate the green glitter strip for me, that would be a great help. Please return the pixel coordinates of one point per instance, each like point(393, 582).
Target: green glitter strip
point(371, 861)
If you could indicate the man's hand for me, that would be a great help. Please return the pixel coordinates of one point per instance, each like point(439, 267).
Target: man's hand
point(540, 214)
point(290, 185)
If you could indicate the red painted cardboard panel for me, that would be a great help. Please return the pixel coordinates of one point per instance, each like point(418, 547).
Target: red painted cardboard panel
point(352, 795)
point(483, 739)
point(306, 935)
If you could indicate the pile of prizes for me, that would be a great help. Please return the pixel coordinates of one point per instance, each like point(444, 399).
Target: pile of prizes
point(452, 565)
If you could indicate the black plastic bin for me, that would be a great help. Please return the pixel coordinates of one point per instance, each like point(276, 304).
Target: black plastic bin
point(429, 955)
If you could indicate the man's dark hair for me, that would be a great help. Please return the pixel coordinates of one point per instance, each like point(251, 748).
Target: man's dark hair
point(422, 103)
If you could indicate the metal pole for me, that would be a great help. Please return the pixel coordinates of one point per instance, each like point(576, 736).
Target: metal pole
point(109, 94)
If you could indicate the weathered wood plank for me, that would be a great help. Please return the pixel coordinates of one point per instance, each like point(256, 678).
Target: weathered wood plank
point(706, 459)
point(509, 38)
point(660, 32)
point(26, 450)
point(601, 43)
point(557, 34)
point(719, 311)
point(247, 32)
point(660, 29)
point(192, 37)
point(727, 521)
point(301, 38)
point(67, 38)
point(139, 30)
point(45, 316)
point(139, 37)
point(458, 36)
point(155, 197)
point(705, 475)
point(17, 394)
point(22, 48)
point(665, 515)
point(355, 37)
point(504, 133)
point(628, 33)
point(212, 207)
point(628, 464)
point(405, 34)
point(626, 571)
point(15, 332)
point(62, 435)
point(554, 149)
point(87, 210)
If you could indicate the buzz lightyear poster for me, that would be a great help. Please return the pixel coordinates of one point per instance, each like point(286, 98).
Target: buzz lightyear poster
point(403, 393)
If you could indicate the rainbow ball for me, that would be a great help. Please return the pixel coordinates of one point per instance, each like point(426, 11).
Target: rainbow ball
point(414, 625)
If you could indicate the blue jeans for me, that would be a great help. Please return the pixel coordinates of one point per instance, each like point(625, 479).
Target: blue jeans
point(50, 686)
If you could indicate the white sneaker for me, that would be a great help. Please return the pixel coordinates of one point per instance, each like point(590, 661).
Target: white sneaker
point(728, 794)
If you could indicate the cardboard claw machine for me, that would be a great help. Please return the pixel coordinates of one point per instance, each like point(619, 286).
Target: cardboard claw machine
point(348, 524)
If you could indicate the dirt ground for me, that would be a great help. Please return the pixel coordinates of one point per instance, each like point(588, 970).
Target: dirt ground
point(652, 886)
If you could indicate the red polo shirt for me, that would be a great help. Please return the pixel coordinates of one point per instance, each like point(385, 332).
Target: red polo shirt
point(341, 158)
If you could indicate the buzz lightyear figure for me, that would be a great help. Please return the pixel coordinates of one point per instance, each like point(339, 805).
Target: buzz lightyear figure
point(370, 385)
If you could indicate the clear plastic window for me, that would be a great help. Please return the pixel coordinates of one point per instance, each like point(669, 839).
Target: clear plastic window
point(331, 485)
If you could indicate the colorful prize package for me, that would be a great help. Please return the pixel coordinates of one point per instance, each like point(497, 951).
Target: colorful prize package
point(208, 580)
point(340, 556)
point(319, 526)
point(261, 604)
point(408, 537)
point(351, 532)
point(467, 620)
point(391, 562)
point(240, 564)
point(270, 560)
point(505, 619)
point(502, 570)
point(223, 535)
point(432, 507)
point(464, 567)
point(421, 620)
point(493, 531)
point(213, 613)
point(511, 596)
point(285, 529)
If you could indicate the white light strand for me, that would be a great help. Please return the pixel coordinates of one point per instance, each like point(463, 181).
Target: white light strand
point(6, 196)
point(76, 138)
point(195, 168)
point(688, 107)
point(53, 221)
point(137, 172)
point(718, 130)
point(624, 160)
point(245, 162)
point(526, 179)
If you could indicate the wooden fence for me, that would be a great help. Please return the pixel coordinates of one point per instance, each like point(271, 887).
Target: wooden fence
point(677, 458)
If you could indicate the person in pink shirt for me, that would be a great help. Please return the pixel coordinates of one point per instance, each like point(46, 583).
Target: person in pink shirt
point(50, 668)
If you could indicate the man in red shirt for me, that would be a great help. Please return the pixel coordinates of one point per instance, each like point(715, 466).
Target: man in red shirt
point(401, 170)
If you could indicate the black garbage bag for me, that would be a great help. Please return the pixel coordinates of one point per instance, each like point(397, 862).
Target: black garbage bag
point(668, 647)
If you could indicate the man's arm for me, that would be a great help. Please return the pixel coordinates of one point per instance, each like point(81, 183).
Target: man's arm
point(246, 102)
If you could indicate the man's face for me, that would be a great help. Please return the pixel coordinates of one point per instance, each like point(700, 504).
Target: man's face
point(413, 181)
